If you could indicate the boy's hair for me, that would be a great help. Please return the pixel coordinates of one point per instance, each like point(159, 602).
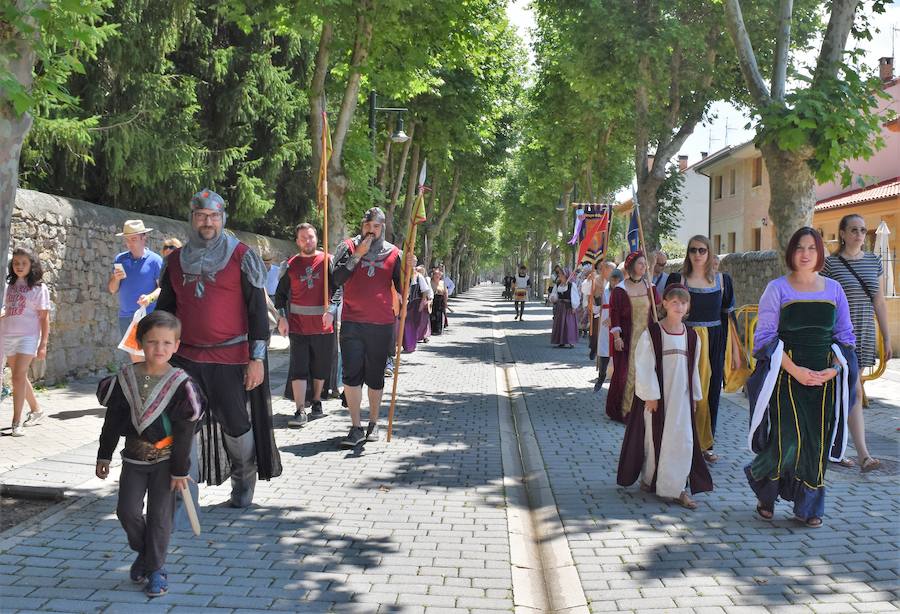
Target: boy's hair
point(158, 319)
point(617, 274)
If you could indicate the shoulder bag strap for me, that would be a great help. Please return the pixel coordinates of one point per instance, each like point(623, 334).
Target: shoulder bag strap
point(858, 278)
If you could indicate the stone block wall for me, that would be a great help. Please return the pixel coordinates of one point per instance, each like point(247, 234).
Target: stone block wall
point(76, 243)
point(750, 272)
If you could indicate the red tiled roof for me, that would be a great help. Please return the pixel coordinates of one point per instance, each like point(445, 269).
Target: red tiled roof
point(889, 188)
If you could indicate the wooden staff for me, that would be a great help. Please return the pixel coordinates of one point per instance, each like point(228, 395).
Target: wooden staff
point(647, 269)
point(323, 203)
point(405, 279)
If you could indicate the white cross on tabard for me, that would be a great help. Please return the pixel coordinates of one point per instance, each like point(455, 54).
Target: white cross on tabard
point(309, 278)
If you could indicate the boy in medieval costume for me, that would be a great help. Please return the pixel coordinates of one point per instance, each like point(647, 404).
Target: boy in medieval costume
point(661, 443)
point(156, 407)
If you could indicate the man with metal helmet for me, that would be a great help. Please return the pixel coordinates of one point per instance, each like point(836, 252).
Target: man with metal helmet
point(216, 285)
point(366, 266)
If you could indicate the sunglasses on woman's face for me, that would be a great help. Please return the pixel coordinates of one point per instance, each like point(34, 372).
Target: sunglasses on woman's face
point(168, 248)
point(697, 250)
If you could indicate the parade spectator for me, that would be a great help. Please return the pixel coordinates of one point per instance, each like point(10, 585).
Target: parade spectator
point(712, 301)
point(366, 266)
point(631, 312)
point(216, 285)
point(858, 272)
point(25, 330)
point(273, 274)
point(169, 245)
point(135, 274)
point(156, 456)
point(307, 320)
point(660, 442)
point(564, 297)
point(803, 341)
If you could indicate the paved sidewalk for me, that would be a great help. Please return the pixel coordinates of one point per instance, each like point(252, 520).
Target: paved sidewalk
point(635, 553)
point(417, 525)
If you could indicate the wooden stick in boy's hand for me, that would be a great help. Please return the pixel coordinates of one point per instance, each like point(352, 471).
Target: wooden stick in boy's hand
point(188, 505)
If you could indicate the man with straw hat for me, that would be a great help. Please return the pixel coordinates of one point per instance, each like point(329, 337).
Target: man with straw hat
point(135, 272)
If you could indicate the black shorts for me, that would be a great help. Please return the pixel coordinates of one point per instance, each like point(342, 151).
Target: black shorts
point(224, 389)
point(310, 355)
point(364, 352)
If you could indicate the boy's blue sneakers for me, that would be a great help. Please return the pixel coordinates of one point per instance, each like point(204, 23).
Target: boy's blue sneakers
point(137, 573)
point(158, 584)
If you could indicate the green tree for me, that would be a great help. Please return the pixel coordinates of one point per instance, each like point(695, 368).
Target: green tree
point(41, 44)
point(807, 134)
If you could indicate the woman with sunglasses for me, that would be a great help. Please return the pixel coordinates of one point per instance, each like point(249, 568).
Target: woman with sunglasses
point(712, 300)
point(859, 274)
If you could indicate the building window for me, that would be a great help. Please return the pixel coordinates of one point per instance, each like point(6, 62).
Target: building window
point(732, 239)
point(717, 243)
point(732, 178)
point(757, 171)
point(718, 182)
point(757, 239)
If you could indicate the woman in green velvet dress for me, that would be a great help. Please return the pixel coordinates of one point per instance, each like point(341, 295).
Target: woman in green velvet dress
point(799, 390)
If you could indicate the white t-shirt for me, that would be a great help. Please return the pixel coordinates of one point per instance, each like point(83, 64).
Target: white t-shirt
point(22, 306)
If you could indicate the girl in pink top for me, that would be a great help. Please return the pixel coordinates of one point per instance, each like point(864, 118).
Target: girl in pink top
point(24, 328)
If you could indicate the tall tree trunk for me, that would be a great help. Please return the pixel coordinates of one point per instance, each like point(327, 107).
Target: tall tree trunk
point(13, 129)
point(398, 183)
point(433, 228)
point(338, 181)
point(400, 224)
point(793, 191)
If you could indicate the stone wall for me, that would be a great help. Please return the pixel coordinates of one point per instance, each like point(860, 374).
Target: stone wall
point(76, 243)
point(750, 272)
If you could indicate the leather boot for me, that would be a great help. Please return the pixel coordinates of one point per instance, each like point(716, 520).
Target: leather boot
point(242, 452)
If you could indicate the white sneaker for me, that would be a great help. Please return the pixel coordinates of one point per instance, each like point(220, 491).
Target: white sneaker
point(17, 430)
point(34, 418)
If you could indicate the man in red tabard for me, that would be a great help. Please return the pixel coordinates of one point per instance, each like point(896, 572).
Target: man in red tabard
point(216, 285)
point(304, 316)
point(366, 266)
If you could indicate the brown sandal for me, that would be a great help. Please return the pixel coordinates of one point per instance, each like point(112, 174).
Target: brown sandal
point(685, 501)
point(813, 522)
point(847, 462)
point(869, 464)
point(710, 456)
point(646, 487)
point(766, 513)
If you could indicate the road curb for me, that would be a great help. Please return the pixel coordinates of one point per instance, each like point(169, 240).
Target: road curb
point(544, 575)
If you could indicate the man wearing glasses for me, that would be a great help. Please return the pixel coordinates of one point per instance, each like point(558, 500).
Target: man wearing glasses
point(216, 285)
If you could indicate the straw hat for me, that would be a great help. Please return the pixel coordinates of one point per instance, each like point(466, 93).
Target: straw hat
point(133, 227)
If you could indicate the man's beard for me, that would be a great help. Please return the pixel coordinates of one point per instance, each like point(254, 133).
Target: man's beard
point(304, 252)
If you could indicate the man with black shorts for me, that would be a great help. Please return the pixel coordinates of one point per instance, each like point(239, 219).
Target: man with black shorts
point(308, 322)
point(366, 266)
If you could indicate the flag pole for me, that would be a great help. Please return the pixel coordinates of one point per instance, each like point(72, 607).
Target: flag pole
point(323, 203)
point(643, 245)
point(409, 248)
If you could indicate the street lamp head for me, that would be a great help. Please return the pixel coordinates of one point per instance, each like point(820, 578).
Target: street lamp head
point(399, 136)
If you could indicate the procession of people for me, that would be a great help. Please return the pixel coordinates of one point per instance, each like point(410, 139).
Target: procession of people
point(672, 339)
point(193, 401)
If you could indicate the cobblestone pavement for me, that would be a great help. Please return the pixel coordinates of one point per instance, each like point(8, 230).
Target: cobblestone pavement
point(419, 525)
point(634, 552)
point(415, 525)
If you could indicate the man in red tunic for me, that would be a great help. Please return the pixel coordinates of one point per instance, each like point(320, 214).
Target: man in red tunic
point(300, 301)
point(216, 285)
point(366, 266)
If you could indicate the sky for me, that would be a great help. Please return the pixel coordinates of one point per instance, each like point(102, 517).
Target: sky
point(726, 124)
